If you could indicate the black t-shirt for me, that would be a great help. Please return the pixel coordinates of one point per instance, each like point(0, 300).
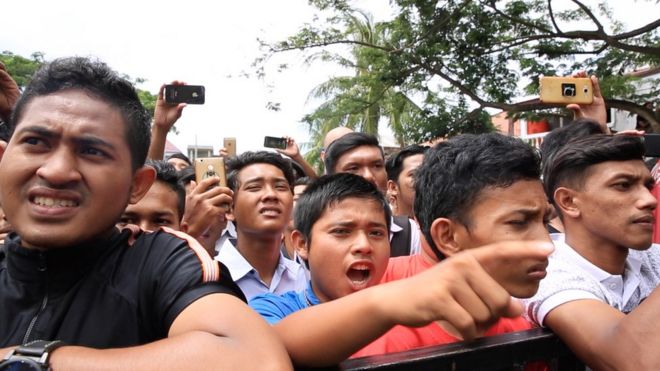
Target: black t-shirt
point(114, 293)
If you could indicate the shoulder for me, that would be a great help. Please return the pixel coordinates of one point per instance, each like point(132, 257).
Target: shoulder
point(274, 307)
point(401, 267)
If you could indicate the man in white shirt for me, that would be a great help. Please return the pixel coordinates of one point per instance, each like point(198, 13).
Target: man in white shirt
point(605, 266)
point(263, 199)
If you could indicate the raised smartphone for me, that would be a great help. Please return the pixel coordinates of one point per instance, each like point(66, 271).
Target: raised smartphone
point(191, 94)
point(274, 142)
point(230, 146)
point(565, 90)
point(206, 167)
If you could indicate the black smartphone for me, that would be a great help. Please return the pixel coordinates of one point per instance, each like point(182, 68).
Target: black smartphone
point(274, 142)
point(652, 144)
point(191, 94)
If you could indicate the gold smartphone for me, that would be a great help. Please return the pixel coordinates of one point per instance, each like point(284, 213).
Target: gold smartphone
point(565, 90)
point(206, 167)
point(230, 146)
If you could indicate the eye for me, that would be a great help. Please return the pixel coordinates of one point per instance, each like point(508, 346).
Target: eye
point(518, 223)
point(340, 231)
point(34, 141)
point(282, 187)
point(164, 222)
point(622, 186)
point(126, 220)
point(377, 233)
point(94, 152)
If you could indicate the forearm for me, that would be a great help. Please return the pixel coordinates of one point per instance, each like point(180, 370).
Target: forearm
point(307, 168)
point(326, 334)
point(638, 333)
point(195, 350)
point(157, 144)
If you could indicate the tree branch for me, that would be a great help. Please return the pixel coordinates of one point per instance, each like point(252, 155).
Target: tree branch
point(626, 35)
point(329, 43)
point(552, 16)
point(591, 15)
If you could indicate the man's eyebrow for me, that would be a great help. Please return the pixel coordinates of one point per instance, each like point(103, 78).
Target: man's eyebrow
point(89, 140)
point(40, 130)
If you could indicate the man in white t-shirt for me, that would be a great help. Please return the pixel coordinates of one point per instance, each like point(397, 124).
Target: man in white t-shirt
point(605, 266)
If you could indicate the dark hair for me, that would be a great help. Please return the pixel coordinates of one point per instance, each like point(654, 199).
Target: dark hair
point(236, 164)
point(302, 181)
point(394, 163)
point(328, 190)
point(181, 156)
point(166, 173)
point(186, 175)
point(97, 80)
point(456, 171)
point(346, 143)
point(568, 167)
point(558, 138)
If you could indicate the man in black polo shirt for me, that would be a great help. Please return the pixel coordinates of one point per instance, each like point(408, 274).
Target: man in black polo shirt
point(117, 300)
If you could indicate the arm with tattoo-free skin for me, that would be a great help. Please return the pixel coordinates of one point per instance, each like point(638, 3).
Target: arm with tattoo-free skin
point(458, 290)
point(165, 116)
point(217, 331)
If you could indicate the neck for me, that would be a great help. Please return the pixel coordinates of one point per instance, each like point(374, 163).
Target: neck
point(261, 251)
point(602, 253)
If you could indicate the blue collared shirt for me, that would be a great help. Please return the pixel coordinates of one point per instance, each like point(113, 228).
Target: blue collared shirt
point(289, 275)
point(275, 307)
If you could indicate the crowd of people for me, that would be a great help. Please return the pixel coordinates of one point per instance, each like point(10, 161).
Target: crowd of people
point(115, 257)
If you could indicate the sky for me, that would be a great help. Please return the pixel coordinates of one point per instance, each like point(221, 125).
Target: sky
point(208, 43)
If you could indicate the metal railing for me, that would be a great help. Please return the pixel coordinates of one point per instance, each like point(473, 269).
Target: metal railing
point(512, 351)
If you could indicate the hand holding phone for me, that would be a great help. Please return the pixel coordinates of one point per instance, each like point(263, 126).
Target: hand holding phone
point(191, 94)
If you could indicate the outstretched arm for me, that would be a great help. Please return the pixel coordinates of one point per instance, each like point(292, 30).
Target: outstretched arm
point(606, 339)
point(165, 116)
point(457, 290)
point(215, 332)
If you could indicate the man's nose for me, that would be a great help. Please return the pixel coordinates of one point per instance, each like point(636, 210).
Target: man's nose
point(60, 168)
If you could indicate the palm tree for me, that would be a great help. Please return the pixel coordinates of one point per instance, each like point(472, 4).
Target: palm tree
point(360, 101)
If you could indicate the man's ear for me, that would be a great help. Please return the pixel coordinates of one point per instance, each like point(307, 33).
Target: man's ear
point(300, 244)
point(142, 180)
point(446, 236)
point(567, 200)
point(392, 187)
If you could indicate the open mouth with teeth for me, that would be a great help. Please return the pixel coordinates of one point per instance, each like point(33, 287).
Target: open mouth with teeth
point(53, 202)
point(359, 275)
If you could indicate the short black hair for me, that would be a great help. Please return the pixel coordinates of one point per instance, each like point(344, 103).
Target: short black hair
point(558, 138)
point(186, 175)
point(455, 172)
point(328, 190)
point(569, 166)
point(302, 181)
point(166, 173)
point(180, 156)
point(236, 164)
point(394, 163)
point(99, 81)
point(346, 143)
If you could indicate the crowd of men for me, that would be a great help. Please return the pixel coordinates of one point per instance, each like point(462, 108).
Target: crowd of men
point(116, 258)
